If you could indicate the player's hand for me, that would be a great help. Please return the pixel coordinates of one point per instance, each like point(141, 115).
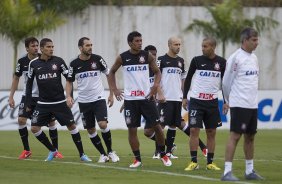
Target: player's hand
point(161, 98)
point(110, 100)
point(118, 94)
point(185, 104)
point(153, 92)
point(28, 109)
point(225, 108)
point(11, 102)
point(121, 108)
point(70, 102)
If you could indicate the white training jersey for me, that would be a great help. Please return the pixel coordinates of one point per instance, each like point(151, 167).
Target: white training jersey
point(240, 82)
point(88, 76)
point(135, 75)
point(173, 73)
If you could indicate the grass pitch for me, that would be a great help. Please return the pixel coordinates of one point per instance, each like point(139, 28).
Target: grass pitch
point(268, 161)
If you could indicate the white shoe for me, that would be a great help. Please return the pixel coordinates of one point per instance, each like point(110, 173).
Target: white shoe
point(103, 159)
point(113, 156)
point(171, 156)
point(156, 156)
point(136, 164)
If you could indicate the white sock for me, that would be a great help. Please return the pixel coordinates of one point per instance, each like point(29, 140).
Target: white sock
point(227, 167)
point(249, 166)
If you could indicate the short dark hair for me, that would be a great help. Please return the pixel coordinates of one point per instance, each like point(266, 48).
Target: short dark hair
point(211, 40)
point(150, 47)
point(133, 34)
point(248, 33)
point(81, 41)
point(44, 41)
point(30, 40)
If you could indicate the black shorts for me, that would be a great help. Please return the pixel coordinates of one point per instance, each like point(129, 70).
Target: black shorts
point(243, 120)
point(204, 111)
point(90, 112)
point(170, 113)
point(43, 114)
point(22, 108)
point(133, 109)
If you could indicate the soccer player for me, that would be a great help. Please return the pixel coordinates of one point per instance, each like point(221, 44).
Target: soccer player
point(207, 71)
point(87, 69)
point(47, 70)
point(138, 94)
point(240, 89)
point(173, 75)
point(31, 45)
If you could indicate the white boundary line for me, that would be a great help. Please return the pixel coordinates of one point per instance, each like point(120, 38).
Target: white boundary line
point(131, 170)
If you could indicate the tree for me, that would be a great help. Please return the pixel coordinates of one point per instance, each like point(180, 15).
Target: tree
point(227, 22)
point(18, 20)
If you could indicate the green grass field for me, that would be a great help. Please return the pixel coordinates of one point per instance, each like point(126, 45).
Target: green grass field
point(268, 161)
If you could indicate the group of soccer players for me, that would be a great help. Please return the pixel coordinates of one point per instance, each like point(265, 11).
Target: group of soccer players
point(154, 89)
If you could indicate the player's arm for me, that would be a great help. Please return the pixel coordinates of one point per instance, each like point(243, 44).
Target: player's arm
point(69, 86)
point(157, 75)
point(225, 105)
point(112, 79)
point(14, 87)
point(229, 75)
point(187, 83)
point(29, 85)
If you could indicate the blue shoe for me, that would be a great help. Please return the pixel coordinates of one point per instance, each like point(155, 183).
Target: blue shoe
point(51, 155)
point(229, 177)
point(85, 158)
point(253, 176)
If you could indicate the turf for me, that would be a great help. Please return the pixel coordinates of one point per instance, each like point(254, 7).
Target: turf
point(268, 161)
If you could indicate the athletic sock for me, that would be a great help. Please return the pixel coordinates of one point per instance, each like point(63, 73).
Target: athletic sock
point(107, 137)
point(137, 155)
point(210, 158)
point(41, 136)
point(53, 133)
point(170, 137)
point(193, 156)
point(24, 136)
point(95, 139)
point(77, 141)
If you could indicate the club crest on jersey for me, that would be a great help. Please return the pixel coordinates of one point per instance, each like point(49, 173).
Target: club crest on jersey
point(93, 65)
point(54, 67)
point(216, 66)
point(179, 64)
point(141, 59)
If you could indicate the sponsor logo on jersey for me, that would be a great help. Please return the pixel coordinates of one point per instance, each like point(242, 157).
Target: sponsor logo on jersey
point(152, 79)
point(93, 65)
point(136, 68)
point(54, 67)
point(137, 93)
point(176, 70)
point(47, 76)
point(209, 74)
point(141, 59)
point(206, 96)
point(252, 72)
point(216, 66)
point(88, 74)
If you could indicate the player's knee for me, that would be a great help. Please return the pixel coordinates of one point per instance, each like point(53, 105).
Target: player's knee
point(148, 133)
point(35, 129)
point(91, 130)
point(102, 124)
point(22, 120)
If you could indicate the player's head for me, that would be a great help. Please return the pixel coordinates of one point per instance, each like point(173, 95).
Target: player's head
point(208, 46)
point(152, 49)
point(85, 46)
point(46, 47)
point(249, 39)
point(31, 45)
point(134, 40)
point(174, 44)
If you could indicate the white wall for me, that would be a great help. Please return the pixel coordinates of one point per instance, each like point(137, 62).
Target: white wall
point(108, 27)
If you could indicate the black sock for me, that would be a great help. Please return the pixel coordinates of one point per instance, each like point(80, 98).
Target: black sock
point(210, 158)
point(107, 137)
point(54, 137)
point(202, 145)
point(137, 155)
point(162, 150)
point(77, 141)
point(98, 144)
point(45, 141)
point(170, 137)
point(187, 131)
point(24, 136)
point(193, 156)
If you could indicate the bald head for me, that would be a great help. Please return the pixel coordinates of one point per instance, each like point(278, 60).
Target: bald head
point(174, 44)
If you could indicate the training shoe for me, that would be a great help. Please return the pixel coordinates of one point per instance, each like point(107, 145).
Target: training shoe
point(174, 147)
point(229, 177)
point(59, 155)
point(103, 159)
point(166, 161)
point(205, 152)
point(25, 154)
point(51, 155)
point(156, 155)
point(135, 164)
point(85, 158)
point(171, 156)
point(212, 166)
point(253, 176)
point(113, 156)
point(192, 166)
